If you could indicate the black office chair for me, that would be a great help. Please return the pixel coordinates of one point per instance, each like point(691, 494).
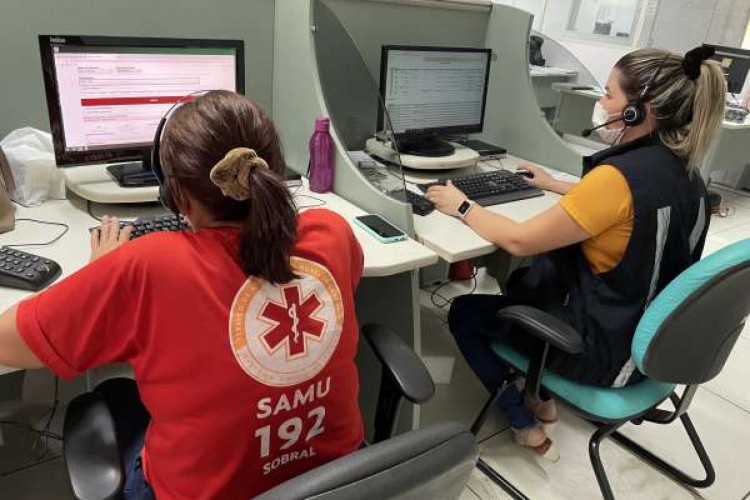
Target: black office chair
point(434, 462)
point(683, 338)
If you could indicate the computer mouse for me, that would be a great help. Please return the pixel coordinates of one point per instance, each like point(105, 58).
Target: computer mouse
point(525, 173)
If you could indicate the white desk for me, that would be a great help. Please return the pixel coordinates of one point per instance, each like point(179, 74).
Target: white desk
point(737, 126)
point(550, 71)
point(72, 250)
point(452, 240)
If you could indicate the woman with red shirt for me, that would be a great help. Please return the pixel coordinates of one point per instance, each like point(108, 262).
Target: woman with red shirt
point(241, 331)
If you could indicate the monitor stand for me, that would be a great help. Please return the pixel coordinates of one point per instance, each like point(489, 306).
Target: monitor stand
point(459, 158)
point(431, 147)
point(97, 183)
point(130, 175)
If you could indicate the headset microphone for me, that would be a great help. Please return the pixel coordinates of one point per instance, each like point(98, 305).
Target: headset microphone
point(587, 131)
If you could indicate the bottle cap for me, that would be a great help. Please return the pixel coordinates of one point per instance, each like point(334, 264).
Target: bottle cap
point(322, 124)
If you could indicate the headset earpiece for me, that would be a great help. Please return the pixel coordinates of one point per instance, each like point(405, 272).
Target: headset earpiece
point(166, 198)
point(165, 194)
point(634, 113)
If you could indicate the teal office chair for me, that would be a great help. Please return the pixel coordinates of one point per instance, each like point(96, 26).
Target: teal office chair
point(684, 338)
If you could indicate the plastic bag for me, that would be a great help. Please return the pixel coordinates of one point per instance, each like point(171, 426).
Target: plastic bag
point(32, 160)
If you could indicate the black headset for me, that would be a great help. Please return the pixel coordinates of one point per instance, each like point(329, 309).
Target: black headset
point(635, 112)
point(165, 193)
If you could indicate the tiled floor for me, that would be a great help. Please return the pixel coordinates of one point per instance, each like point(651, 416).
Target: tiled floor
point(720, 412)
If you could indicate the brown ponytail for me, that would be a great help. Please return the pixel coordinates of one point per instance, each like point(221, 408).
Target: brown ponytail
point(269, 230)
point(224, 129)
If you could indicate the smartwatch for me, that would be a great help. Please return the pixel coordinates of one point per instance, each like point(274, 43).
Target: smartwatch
point(464, 208)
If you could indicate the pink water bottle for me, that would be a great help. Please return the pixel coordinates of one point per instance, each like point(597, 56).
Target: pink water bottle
point(320, 170)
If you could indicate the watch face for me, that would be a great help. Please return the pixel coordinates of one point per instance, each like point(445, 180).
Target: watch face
point(464, 207)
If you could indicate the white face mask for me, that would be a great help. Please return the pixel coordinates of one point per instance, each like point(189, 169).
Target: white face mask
point(599, 118)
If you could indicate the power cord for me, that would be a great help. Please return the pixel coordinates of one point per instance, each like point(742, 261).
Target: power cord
point(449, 300)
point(24, 205)
point(65, 230)
point(91, 213)
point(45, 432)
point(320, 203)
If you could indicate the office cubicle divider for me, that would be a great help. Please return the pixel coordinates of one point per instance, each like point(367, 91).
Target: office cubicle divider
point(513, 116)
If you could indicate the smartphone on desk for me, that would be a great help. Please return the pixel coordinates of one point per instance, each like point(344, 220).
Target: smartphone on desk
point(381, 229)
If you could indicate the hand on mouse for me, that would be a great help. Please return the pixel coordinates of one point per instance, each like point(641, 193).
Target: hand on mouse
point(538, 177)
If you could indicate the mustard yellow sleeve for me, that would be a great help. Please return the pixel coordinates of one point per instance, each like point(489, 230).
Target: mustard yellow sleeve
point(600, 201)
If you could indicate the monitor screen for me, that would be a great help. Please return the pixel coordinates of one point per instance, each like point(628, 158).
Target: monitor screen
point(735, 63)
point(434, 90)
point(106, 95)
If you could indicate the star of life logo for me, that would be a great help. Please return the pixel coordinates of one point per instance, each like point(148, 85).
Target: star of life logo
point(283, 335)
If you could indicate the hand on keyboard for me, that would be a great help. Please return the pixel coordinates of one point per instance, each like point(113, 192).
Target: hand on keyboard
point(487, 188)
point(446, 197)
point(108, 236)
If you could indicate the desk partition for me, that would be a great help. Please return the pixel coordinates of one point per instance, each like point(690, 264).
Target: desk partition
point(327, 62)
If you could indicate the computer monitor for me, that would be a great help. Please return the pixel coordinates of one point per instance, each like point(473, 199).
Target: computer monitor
point(429, 92)
point(735, 63)
point(106, 95)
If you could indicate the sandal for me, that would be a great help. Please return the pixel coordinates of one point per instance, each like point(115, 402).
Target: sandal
point(535, 439)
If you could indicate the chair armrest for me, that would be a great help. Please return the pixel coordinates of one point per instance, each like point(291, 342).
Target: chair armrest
point(544, 326)
point(547, 328)
point(400, 363)
point(404, 375)
point(90, 449)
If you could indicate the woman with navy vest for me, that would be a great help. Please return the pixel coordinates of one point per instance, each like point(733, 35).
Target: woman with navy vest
point(638, 217)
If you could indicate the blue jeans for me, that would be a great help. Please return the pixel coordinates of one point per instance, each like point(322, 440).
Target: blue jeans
point(131, 420)
point(472, 321)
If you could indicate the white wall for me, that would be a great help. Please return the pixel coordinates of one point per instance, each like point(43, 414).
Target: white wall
point(598, 58)
point(682, 25)
point(677, 25)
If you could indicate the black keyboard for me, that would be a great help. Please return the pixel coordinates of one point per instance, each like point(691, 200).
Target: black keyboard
point(419, 204)
point(145, 225)
point(492, 188)
point(25, 270)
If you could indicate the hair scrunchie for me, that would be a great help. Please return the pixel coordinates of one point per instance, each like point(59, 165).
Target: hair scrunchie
point(691, 63)
point(232, 173)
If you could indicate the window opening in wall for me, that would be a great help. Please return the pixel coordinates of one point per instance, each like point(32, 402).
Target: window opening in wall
point(615, 19)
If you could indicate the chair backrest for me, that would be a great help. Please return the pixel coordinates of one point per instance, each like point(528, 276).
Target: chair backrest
point(434, 462)
point(90, 449)
point(687, 332)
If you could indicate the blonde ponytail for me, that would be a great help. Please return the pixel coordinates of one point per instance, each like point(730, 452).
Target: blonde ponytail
point(692, 141)
point(688, 108)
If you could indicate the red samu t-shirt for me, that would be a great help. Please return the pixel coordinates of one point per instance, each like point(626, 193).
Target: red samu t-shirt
point(248, 384)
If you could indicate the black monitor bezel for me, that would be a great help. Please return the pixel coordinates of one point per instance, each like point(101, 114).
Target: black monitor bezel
point(745, 53)
point(65, 158)
point(436, 131)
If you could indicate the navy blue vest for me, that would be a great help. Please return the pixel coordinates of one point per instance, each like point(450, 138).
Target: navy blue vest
point(669, 230)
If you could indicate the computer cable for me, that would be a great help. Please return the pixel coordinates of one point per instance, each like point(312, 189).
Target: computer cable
point(45, 433)
point(24, 205)
point(449, 300)
point(320, 203)
point(91, 213)
point(65, 230)
point(388, 168)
